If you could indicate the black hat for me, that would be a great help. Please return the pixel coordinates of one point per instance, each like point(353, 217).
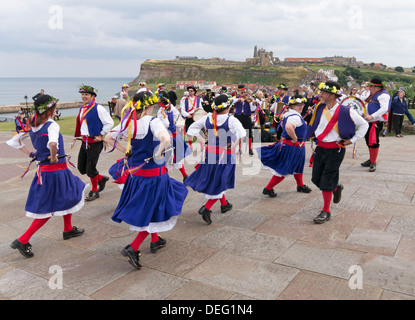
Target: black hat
point(282, 86)
point(241, 87)
point(376, 82)
point(43, 103)
point(88, 89)
point(164, 98)
point(145, 98)
point(297, 99)
point(331, 87)
point(221, 102)
point(191, 87)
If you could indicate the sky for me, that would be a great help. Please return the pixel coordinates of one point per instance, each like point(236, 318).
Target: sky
point(72, 38)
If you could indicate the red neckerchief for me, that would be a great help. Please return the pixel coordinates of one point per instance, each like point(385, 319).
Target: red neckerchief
point(79, 120)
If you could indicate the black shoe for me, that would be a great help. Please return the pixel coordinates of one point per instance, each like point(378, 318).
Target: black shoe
point(205, 214)
point(322, 217)
point(24, 248)
point(372, 167)
point(101, 184)
point(366, 163)
point(133, 256)
point(303, 189)
point(226, 207)
point(270, 193)
point(75, 232)
point(185, 178)
point(251, 153)
point(92, 196)
point(337, 195)
point(160, 243)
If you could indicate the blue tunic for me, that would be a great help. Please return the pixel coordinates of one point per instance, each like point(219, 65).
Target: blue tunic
point(216, 172)
point(181, 149)
point(282, 158)
point(150, 203)
point(61, 192)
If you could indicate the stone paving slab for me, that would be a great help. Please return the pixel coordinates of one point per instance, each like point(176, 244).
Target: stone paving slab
point(263, 249)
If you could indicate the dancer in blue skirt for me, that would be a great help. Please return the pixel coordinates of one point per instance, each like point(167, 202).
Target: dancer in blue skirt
point(287, 157)
point(216, 172)
point(150, 200)
point(168, 114)
point(54, 191)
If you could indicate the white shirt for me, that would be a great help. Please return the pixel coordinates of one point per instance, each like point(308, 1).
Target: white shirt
point(191, 101)
point(235, 126)
point(295, 120)
point(384, 108)
point(143, 89)
point(53, 136)
point(156, 127)
point(164, 118)
point(360, 123)
point(104, 116)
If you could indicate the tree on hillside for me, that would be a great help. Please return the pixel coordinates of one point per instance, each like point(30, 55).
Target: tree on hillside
point(399, 69)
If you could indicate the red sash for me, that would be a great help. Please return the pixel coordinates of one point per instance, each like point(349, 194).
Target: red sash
point(154, 172)
point(330, 125)
point(53, 167)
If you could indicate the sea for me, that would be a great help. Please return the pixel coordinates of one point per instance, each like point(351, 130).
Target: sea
point(14, 90)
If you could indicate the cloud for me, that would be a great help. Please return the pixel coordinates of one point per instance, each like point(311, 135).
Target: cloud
point(107, 34)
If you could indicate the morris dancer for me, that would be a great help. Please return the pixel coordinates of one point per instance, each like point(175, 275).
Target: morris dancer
point(54, 191)
point(261, 112)
point(282, 97)
point(334, 127)
point(243, 111)
point(377, 114)
point(188, 106)
point(216, 172)
point(168, 114)
point(150, 200)
point(92, 123)
point(287, 157)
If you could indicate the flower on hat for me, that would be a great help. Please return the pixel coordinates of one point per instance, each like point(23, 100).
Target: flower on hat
point(87, 89)
point(297, 101)
point(331, 89)
point(39, 108)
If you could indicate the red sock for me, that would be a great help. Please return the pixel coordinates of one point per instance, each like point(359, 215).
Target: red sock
point(223, 201)
point(99, 177)
point(154, 237)
point(299, 179)
point(210, 203)
point(139, 240)
point(250, 143)
point(183, 171)
point(94, 182)
point(327, 196)
point(190, 142)
point(311, 160)
point(35, 226)
point(373, 152)
point(274, 181)
point(67, 222)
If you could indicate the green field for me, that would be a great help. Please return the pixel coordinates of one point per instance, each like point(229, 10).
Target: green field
point(67, 125)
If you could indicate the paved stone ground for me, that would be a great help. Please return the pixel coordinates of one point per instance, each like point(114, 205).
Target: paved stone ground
point(263, 249)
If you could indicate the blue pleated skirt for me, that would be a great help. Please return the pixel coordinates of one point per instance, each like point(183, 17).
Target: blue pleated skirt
point(150, 204)
point(60, 193)
point(284, 160)
point(212, 179)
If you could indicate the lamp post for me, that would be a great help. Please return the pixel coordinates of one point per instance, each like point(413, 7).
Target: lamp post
point(25, 97)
